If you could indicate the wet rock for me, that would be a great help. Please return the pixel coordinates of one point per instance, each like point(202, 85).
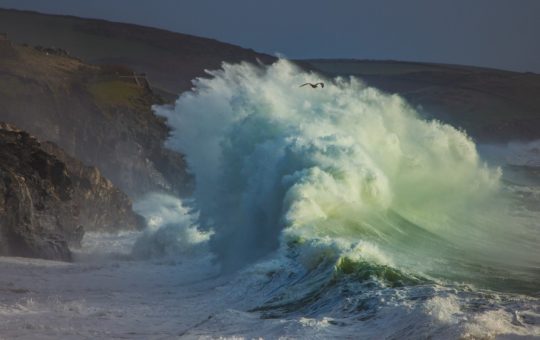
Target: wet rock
point(48, 199)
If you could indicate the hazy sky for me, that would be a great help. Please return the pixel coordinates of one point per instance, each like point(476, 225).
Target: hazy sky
point(494, 33)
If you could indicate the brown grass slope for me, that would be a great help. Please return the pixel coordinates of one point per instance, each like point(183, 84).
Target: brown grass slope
point(170, 60)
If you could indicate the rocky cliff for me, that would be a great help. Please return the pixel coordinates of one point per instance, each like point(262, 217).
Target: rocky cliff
point(97, 203)
point(100, 115)
point(46, 204)
point(35, 192)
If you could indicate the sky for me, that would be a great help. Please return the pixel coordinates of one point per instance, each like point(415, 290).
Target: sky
point(492, 33)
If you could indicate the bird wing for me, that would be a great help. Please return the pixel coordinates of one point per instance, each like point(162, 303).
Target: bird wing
point(304, 84)
point(322, 84)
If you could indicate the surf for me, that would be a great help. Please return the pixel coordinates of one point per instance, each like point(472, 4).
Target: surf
point(345, 176)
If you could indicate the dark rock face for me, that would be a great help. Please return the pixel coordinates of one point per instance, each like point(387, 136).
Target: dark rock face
point(35, 192)
point(97, 203)
point(46, 204)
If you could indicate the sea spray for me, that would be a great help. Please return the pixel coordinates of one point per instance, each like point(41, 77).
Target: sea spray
point(332, 172)
point(171, 228)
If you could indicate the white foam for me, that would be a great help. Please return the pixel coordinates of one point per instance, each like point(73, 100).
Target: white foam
point(276, 165)
point(172, 228)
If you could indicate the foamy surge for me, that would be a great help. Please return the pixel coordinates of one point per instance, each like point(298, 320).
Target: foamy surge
point(341, 172)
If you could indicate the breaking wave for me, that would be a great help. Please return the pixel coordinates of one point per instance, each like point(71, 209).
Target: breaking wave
point(343, 183)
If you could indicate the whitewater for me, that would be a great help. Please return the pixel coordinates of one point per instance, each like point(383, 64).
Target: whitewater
point(317, 213)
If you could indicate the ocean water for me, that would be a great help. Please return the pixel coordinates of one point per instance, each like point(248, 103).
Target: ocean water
point(318, 213)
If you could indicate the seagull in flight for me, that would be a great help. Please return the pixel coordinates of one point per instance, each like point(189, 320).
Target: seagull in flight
point(313, 85)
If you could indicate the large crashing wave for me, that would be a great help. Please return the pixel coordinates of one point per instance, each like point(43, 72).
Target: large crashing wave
point(345, 172)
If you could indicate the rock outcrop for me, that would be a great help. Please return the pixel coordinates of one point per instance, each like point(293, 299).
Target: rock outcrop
point(98, 204)
point(46, 205)
point(35, 198)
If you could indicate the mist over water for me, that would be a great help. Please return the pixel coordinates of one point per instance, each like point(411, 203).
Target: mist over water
point(171, 229)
